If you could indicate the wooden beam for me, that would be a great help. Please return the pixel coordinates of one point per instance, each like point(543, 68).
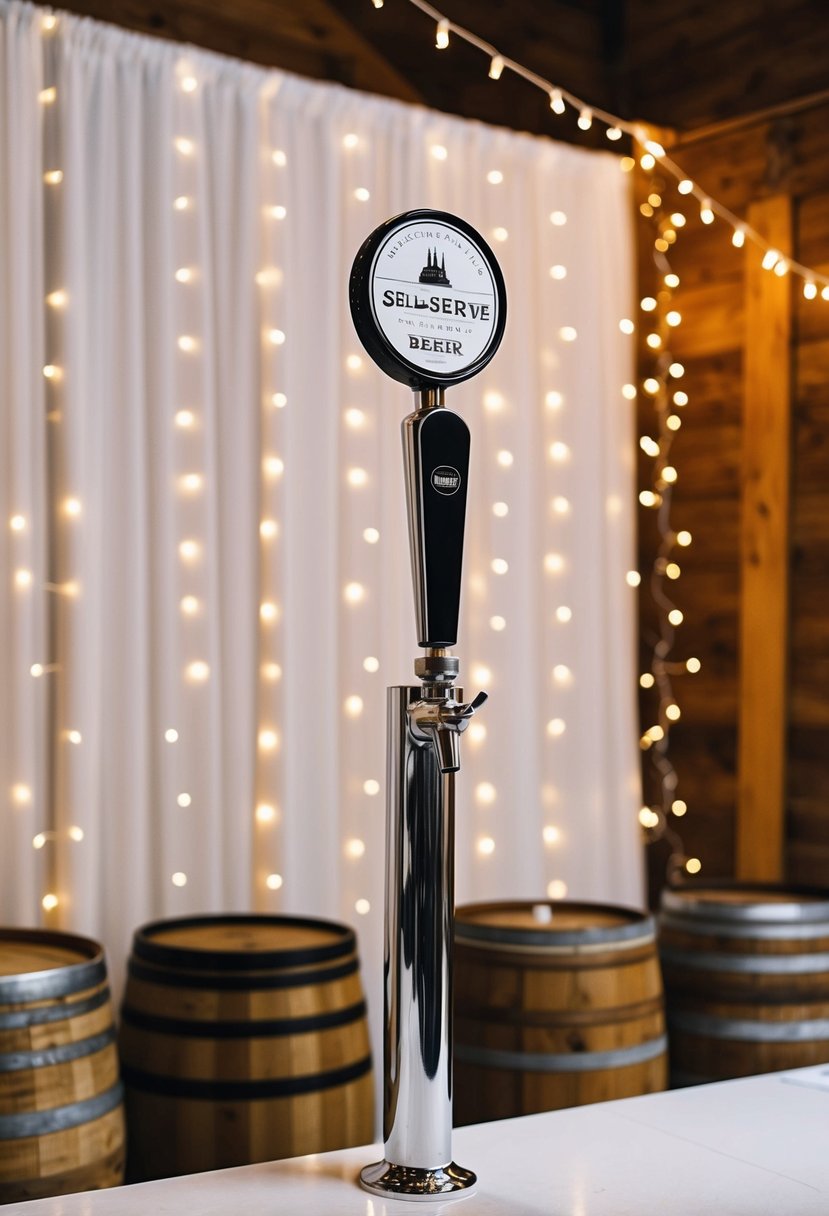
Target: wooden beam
point(764, 556)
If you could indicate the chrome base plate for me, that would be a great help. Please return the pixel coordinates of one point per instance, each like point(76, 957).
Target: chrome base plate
point(404, 1182)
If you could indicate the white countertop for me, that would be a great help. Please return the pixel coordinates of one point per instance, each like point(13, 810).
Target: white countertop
point(756, 1147)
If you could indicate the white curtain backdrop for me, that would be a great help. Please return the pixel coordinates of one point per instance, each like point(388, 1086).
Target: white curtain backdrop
point(205, 575)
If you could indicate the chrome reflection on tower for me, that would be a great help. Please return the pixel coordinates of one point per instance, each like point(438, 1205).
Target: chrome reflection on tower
point(429, 305)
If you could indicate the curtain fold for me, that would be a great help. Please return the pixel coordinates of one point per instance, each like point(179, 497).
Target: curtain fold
point(210, 486)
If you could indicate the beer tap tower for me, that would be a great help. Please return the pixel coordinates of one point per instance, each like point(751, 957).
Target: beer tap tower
point(428, 302)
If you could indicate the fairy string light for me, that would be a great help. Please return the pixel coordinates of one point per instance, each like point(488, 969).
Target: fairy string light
point(815, 283)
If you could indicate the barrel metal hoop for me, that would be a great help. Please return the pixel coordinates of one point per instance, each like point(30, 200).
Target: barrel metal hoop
point(239, 983)
point(589, 1061)
point(60, 1118)
point(754, 930)
point(195, 959)
point(57, 981)
point(255, 1028)
point(749, 964)
point(16, 1061)
point(21, 1019)
point(552, 943)
point(241, 1091)
point(690, 904)
point(751, 1031)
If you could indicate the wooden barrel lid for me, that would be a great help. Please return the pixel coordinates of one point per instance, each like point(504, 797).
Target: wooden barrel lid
point(747, 901)
point(242, 943)
point(36, 964)
point(545, 924)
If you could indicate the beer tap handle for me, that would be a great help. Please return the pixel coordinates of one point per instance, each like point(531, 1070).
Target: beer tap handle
point(436, 454)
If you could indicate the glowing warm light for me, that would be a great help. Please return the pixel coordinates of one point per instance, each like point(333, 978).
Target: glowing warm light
point(558, 218)
point(279, 158)
point(505, 458)
point(268, 739)
point(362, 195)
point(189, 84)
point(679, 807)
point(809, 289)
point(499, 565)
point(678, 219)
point(559, 452)
point(277, 212)
point(268, 612)
point(693, 865)
point(556, 889)
point(651, 385)
point(485, 793)
point(48, 22)
point(498, 623)
point(273, 466)
point(184, 800)
point(633, 578)
point(654, 341)
point(557, 101)
point(585, 118)
point(185, 146)
point(351, 140)
point(52, 372)
point(647, 162)
point(613, 133)
point(271, 672)
point(550, 834)
point(626, 326)
point(686, 186)
point(693, 665)
point(567, 333)
point(197, 671)
point(553, 563)
point(674, 318)
point(673, 713)
point(190, 483)
point(353, 706)
point(268, 529)
point(362, 907)
point(17, 523)
point(476, 733)
point(648, 499)
point(669, 474)
point(276, 337)
point(265, 813)
point(355, 419)
point(493, 401)
point(22, 578)
point(781, 267)
point(556, 727)
point(564, 614)
point(554, 400)
point(353, 363)
point(371, 664)
point(648, 818)
point(49, 902)
point(273, 882)
point(54, 177)
point(357, 477)
point(486, 845)
point(187, 344)
point(185, 419)
point(562, 675)
point(179, 879)
point(36, 670)
point(21, 794)
point(71, 506)
point(74, 736)
point(184, 274)
point(189, 550)
point(629, 392)
point(675, 616)
point(182, 203)
point(371, 536)
point(481, 674)
point(672, 570)
point(171, 735)
point(495, 177)
point(442, 34)
point(500, 234)
point(189, 605)
point(279, 401)
point(649, 446)
point(676, 370)
point(561, 505)
point(673, 422)
point(647, 680)
point(371, 787)
point(354, 593)
point(500, 509)
point(355, 848)
point(626, 164)
point(39, 840)
point(496, 67)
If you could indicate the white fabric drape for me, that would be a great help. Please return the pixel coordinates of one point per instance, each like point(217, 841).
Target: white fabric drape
point(188, 496)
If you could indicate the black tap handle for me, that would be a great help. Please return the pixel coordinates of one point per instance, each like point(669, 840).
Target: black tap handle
point(436, 453)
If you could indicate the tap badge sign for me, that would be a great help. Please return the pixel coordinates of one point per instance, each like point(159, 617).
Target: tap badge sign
point(428, 299)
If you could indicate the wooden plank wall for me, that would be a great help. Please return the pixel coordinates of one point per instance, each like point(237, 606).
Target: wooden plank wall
point(788, 158)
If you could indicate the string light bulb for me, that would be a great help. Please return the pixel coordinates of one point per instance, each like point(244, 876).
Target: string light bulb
point(706, 213)
point(585, 119)
point(442, 34)
point(496, 67)
point(557, 104)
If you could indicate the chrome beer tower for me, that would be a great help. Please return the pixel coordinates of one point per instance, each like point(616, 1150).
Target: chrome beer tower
point(425, 720)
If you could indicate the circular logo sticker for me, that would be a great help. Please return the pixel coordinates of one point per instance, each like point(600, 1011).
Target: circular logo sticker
point(445, 479)
point(433, 296)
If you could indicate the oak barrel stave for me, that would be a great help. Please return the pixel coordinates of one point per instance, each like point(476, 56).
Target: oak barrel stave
point(61, 1112)
point(252, 1044)
point(746, 969)
point(554, 1012)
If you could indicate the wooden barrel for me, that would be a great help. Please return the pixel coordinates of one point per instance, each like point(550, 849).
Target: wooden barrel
point(556, 1004)
point(243, 1039)
point(61, 1113)
point(746, 971)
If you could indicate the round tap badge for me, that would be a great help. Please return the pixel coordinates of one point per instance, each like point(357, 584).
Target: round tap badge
point(428, 299)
